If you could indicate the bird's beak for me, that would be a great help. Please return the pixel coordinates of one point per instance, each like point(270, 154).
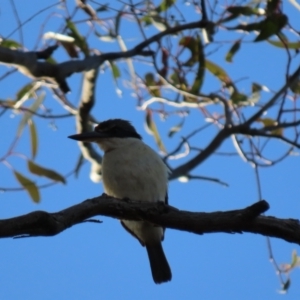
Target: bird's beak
point(93, 136)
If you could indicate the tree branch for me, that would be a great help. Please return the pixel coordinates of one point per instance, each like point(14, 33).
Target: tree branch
point(293, 78)
point(86, 104)
point(40, 223)
point(194, 162)
point(28, 64)
point(262, 133)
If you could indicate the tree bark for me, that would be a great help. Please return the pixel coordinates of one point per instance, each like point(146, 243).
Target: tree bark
point(249, 219)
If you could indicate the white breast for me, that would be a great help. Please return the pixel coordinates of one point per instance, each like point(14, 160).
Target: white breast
point(131, 169)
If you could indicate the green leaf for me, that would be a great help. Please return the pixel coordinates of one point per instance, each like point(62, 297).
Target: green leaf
point(41, 171)
point(284, 45)
point(256, 87)
point(159, 23)
point(27, 91)
point(165, 5)
point(255, 96)
point(80, 41)
point(267, 121)
point(271, 25)
point(217, 71)
point(146, 21)
point(152, 85)
point(27, 115)
point(233, 50)
point(176, 128)
point(51, 60)
point(152, 129)
point(294, 259)
point(33, 138)
point(8, 103)
point(243, 10)
point(198, 82)
point(116, 74)
point(10, 44)
point(270, 122)
point(194, 45)
point(29, 186)
point(153, 18)
point(175, 78)
point(237, 97)
point(115, 70)
point(179, 82)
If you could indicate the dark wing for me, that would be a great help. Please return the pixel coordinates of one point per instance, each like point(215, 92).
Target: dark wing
point(167, 202)
point(167, 198)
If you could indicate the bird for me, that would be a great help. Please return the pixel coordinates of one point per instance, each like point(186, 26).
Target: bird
point(133, 170)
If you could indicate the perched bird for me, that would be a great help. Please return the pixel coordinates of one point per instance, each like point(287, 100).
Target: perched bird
point(131, 169)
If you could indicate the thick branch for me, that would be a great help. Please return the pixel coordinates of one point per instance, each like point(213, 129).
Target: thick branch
point(40, 223)
point(28, 64)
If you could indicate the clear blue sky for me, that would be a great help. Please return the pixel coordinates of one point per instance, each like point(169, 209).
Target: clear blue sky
point(101, 261)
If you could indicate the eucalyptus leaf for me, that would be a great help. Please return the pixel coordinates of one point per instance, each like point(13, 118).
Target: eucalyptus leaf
point(271, 122)
point(33, 138)
point(152, 129)
point(28, 114)
point(26, 91)
point(233, 50)
point(285, 44)
point(80, 41)
point(10, 44)
point(42, 171)
point(29, 186)
point(152, 85)
point(176, 128)
point(217, 71)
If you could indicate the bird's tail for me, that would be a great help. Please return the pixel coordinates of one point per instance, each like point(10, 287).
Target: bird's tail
point(160, 268)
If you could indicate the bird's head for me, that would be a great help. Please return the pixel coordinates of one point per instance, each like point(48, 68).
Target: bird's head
point(109, 134)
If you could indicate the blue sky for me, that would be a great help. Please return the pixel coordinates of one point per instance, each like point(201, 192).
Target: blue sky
point(92, 261)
